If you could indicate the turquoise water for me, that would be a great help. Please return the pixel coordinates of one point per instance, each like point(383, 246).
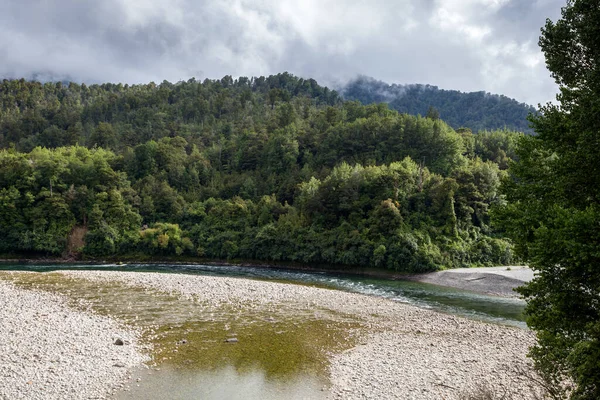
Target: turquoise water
point(507, 311)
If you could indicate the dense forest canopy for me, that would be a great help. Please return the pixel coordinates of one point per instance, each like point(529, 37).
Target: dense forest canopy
point(476, 110)
point(272, 168)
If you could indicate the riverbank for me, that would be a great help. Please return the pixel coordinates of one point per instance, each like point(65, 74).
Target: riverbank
point(404, 351)
point(497, 281)
point(50, 350)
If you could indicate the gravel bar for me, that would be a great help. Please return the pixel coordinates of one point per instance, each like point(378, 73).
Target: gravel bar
point(49, 350)
point(498, 281)
point(408, 352)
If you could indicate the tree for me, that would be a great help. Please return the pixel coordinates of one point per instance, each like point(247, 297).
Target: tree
point(553, 214)
point(433, 113)
point(103, 136)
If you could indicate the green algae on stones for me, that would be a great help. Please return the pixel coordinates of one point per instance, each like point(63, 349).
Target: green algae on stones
point(280, 348)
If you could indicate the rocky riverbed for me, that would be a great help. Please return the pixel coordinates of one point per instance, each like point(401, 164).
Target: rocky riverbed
point(51, 349)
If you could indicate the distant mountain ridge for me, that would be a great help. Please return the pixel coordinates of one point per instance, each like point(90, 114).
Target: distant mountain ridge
point(476, 110)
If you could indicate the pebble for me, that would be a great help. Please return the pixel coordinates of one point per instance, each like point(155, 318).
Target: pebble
point(59, 352)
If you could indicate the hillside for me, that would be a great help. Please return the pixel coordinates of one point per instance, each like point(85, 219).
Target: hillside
point(272, 168)
point(477, 110)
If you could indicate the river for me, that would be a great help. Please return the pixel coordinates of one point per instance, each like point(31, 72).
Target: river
point(507, 311)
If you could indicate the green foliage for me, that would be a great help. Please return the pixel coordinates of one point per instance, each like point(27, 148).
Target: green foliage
point(497, 146)
point(553, 212)
point(274, 168)
point(46, 193)
point(164, 239)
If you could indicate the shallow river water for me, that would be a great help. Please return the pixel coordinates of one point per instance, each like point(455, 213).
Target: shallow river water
point(508, 311)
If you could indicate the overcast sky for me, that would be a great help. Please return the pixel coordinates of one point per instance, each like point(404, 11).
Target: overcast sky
point(467, 45)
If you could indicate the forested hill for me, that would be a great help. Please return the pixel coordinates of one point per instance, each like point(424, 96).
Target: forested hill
point(273, 168)
point(476, 111)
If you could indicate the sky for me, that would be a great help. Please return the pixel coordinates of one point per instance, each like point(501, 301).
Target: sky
point(467, 45)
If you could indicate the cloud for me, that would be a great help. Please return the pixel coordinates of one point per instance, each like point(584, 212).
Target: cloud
point(468, 45)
